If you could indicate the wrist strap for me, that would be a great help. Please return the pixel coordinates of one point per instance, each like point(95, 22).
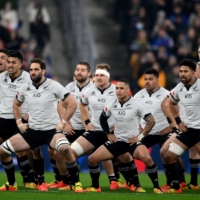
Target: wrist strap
point(169, 120)
point(87, 121)
point(178, 120)
point(140, 136)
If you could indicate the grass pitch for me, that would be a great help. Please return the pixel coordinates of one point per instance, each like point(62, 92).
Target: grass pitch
point(106, 194)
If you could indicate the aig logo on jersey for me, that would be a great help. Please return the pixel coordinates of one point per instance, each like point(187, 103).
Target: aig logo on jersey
point(101, 100)
point(188, 96)
point(12, 87)
point(37, 95)
point(149, 102)
point(122, 112)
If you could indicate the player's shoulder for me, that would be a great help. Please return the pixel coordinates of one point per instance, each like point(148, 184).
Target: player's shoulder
point(71, 85)
point(52, 83)
point(4, 75)
point(140, 93)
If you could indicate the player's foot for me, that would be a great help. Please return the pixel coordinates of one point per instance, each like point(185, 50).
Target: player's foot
point(164, 187)
point(60, 184)
point(78, 187)
point(92, 189)
point(157, 191)
point(43, 187)
point(190, 186)
point(131, 187)
point(172, 191)
point(52, 183)
point(183, 185)
point(67, 187)
point(32, 185)
point(27, 185)
point(114, 185)
point(121, 184)
point(6, 186)
point(139, 190)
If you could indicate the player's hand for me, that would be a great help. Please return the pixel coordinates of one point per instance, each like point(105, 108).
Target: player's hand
point(166, 130)
point(68, 129)
point(23, 127)
point(133, 140)
point(182, 127)
point(90, 126)
point(60, 126)
point(112, 138)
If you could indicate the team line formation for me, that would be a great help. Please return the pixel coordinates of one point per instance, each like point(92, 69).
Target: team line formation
point(93, 116)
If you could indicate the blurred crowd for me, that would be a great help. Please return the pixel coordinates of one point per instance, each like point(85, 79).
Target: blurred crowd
point(10, 24)
point(158, 34)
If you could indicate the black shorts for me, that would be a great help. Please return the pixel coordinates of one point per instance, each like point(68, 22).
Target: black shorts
point(120, 147)
point(36, 138)
point(151, 140)
point(97, 138)
point(189, 138)
point(8, 128)
point(72, 138)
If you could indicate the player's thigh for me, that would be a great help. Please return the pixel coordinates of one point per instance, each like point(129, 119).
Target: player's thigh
point(18, 143)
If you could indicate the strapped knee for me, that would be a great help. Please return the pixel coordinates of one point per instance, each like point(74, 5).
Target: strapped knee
point(175, 148)
point(7, 147)
point(60, 142)
point(77, 148)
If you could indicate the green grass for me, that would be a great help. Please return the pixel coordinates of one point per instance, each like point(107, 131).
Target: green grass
point(106, 194)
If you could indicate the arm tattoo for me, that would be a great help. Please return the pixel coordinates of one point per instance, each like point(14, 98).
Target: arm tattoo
point(150, 122)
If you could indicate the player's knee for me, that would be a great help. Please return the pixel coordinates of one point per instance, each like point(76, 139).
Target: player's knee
point(176, 149)
point(62, 145)
point(91, 160)
point(163, 152)
point(7, 147)
point(78, 149)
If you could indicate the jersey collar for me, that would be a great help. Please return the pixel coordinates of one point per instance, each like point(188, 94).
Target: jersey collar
point(102, 91)
point(80, 88)
point(37, 86)
point(13, 79)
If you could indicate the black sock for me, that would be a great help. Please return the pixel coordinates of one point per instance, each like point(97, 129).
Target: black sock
point(194, 168)
point(174, 175)
point(39, 167)
point(181, 175)
point(66, 179)
point(72, 168)
point(116, 169)
point(95, 173)
point(112, 177)
point(25, 169)
point(77, 175)
point(167, 174)
point(153, 175)
point(9, 168)
point(129, 172)
point(55, 170)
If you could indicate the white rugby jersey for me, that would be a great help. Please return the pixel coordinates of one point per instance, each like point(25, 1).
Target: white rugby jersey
point(153, 103)
point(9, 88)
point(190, 99)
point(97, 100)
point(76, 92)
point(127, 117)
point(42, 103)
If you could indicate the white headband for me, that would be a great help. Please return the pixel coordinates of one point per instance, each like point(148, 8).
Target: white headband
point(101, 71)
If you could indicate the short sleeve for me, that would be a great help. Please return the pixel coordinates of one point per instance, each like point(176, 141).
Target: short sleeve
point(20, 95)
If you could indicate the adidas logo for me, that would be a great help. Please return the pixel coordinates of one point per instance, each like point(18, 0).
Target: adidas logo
point(5, 80)
point(93, 93)
point(45, 88)
point(181, 90)
point(28, 89)
point(73, 90)
point(142, 96)
point(115, 106)
point(195, 89)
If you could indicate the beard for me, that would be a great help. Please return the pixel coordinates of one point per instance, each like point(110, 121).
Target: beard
point(37, 79)
point(81, 79)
